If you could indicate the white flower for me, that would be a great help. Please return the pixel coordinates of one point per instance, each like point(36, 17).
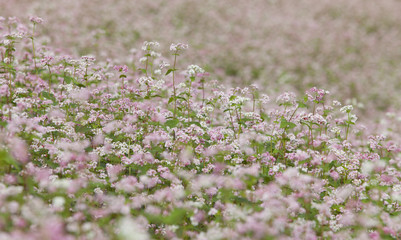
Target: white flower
point(6, 42)
point(397, 188)
point(353, 118)
point(129, 229)
point(178, 46)
point(158, 71)
point(147, 46)
point(212, 211)
point(192, 70)
point(340, 169)
point(346, 109)
point(335, 130)
point(265, 99)
point(58, 202)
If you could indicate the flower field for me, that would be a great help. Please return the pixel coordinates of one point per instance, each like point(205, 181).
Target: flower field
point(121, 134)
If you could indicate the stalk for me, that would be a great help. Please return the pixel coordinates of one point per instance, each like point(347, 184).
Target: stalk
point(174, 90)
point(33, 47)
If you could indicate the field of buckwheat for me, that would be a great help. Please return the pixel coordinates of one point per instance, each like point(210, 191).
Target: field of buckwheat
point(200, 120)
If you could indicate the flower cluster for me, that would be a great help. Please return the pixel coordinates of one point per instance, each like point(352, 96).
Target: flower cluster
point(82, 158)
point(175, 47)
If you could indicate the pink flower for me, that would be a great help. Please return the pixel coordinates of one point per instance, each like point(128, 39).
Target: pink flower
point(36, 20)
point(113, 171)
point(121, 68)
point(19, 150)
point(4, 90)
point(374, 235)
point(334, 175)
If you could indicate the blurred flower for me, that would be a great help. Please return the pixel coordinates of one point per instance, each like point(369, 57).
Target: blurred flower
point(36, 20)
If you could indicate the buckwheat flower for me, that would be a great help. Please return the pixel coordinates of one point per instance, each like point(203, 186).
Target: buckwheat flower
point(130, 229)
point(239, 100)
point(87, 61)
point(10, 190)
point(96, 77)
point(212, 212)
point(12, 20)
point(4, 90)
point(178, 46)
point(19, 150)
point(7, 60)
point(121, 68)
point(113, 171)
point(287, 97)
point(181, 85)
point(335, 130)
point(147, 46)
point(334, 175)
point(198, 217)
point(374, 235)
point(340, 169)
point(6, 42)
point(346, 109)
point(315, 94)
point(58, 203)
point(353, 118)
point(194, 70)
point(164, 64)
point(264, 99)
point(127, 184)
point(36, 20)
point(47, 60)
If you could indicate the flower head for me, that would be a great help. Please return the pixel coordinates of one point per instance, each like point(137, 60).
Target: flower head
point(36, 20)
point(121, 68)
point(178, 46)
point(194, 70)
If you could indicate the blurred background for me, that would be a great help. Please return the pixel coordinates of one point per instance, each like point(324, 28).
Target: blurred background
point(351, 48)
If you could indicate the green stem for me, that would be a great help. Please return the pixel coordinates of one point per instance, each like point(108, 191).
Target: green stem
point(33, 47)
point(50, 77)
point(174, 90)
point(189, 98)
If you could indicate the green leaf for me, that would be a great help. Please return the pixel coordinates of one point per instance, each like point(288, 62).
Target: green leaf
point(79, 84)
point(176, 217)
point(302, 105)
point(155, 150)
point(264, 116)
point(49, 96)
point(195, 123)
point(3, 123)
point(6, 160)
point(169, 71)
point(244, 120)
point(171, 123)
point(82, 129)
point(287, 125)
point(68, 79)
